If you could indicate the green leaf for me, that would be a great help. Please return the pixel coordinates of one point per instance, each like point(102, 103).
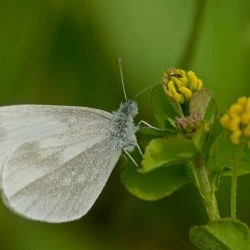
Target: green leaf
point(211, 111)
point(203, 106)
point(167, 152)
point(199, 137)
point(156, 184)
point(165, 109)
point(214, 132)
point(221, 157)
point(205, 135)
point(146, 134)
point(244, 163)
point(224, 234)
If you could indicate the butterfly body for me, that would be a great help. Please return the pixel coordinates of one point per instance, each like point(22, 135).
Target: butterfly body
point(125, 129)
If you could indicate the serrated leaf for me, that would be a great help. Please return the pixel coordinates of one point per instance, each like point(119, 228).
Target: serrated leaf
point(156, 184)
point(164, 108)
point(224, 234)
point(167, 152)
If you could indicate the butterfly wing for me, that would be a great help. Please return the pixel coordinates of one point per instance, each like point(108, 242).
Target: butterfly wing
point(59, 177)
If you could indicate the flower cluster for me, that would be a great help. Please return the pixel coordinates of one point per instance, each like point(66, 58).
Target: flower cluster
point(237, 120)
point(180, 85)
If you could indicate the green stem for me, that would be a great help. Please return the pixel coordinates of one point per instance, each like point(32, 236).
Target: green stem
point(194, 35)
point(234, 184)
point(234, 193)
point(206, 192)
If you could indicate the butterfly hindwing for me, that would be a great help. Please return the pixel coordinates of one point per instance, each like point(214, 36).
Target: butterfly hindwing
point(53, 187)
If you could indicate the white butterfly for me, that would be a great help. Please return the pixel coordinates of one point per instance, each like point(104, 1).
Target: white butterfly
point(55, 160)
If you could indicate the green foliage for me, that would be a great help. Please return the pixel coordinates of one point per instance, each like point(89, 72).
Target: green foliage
point(169, 147)
point(167, 151)
point(224, 155)
point(214, 131)
point(224, 234)
point(203, 106)
point(156, 184)
point(190, 146)
point(165, 109)
point(159, 183)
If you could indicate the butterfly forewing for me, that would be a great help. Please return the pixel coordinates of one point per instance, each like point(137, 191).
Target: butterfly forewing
point(22, 123)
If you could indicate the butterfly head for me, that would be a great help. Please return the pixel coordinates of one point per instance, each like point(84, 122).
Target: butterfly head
point(128, 110)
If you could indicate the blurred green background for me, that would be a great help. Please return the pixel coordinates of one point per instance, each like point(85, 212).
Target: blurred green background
point(65, 52)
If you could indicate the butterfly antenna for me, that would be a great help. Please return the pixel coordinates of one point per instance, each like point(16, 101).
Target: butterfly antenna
point(147, 88)
point(122, 79)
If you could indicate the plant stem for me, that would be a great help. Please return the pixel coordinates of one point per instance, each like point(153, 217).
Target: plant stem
point(234, 193)
point(206, 192)
point(234, 184)
point(194, 35)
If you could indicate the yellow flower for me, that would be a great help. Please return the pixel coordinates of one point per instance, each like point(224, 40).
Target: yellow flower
point(180, 85)
point(237, 120)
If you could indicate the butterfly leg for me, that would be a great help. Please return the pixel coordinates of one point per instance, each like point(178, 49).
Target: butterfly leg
point(147, 124)
point(130, 157)
point(150, 126)
point(139, 149)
